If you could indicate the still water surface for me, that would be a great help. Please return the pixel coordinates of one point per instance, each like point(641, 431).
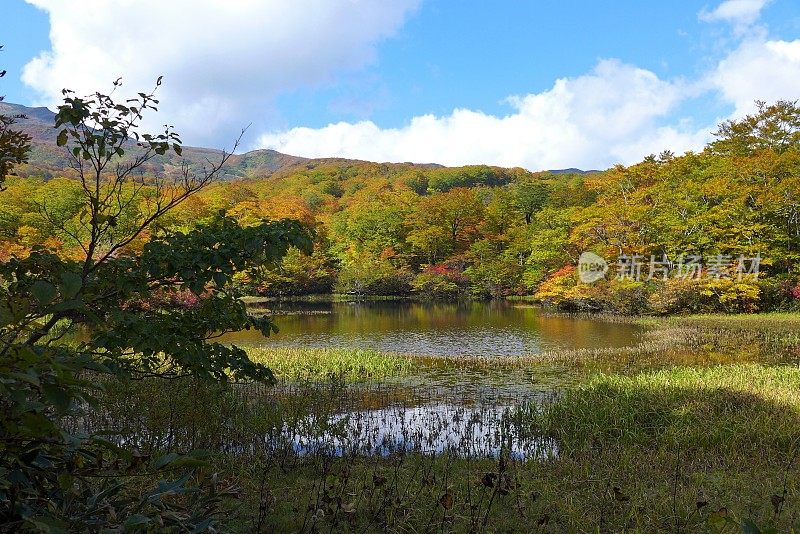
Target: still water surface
point(437, 329)
point(467, 411)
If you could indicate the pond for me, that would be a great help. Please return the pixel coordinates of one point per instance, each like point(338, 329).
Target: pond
point(467, 411)
point(468, 407)
point(437, 329)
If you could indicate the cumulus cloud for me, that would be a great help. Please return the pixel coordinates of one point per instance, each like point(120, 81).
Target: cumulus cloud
point(759, 69)
point(617, 113)
point(223, 60)
point(741, 13)
point(607, 116)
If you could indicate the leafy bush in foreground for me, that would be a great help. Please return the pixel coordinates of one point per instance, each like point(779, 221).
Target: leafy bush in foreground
point(110, 305)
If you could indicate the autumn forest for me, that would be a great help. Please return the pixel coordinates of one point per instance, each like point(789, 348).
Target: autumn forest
point(481, 232)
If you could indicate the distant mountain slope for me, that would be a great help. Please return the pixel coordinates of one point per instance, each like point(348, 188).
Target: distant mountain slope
point(48, 160)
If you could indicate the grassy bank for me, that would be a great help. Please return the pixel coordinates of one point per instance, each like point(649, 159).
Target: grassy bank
point(683, 449)
point(724, 409)
point(697, 429)
point(777, 329)
point(680, 450)
point(298, 364)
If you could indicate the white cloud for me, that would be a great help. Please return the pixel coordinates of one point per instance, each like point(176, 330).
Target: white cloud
point(759, 69)
point(617, 113)
point(741, 13)
point(223, 61)
point(607, 116)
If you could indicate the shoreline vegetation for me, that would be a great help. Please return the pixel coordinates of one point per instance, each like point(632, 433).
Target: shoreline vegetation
point(656, 438)
point(322, 364)
point(251, 300)
point(666, 340)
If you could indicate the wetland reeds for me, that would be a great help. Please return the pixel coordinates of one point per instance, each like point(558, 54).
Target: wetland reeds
point(301, 363)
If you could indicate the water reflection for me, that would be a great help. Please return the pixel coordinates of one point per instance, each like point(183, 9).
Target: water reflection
point(467, 432)
point(436, 329)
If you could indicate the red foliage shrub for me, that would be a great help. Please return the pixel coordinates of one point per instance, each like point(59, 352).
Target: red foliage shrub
point(181, 299)
point(795, 291)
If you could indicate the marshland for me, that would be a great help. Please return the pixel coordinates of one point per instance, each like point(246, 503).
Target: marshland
point(452, 277)
point(682, 423)
point(167, 365)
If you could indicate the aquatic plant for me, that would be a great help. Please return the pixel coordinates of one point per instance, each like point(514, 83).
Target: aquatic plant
point(296, 363)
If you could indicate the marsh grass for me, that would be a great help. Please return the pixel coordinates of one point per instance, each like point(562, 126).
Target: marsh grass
point(298, 364)
point(729, 434)
point(684, 449)
point(687, 449)
point(726, 410)
point(776, 330)
point(691, 340)
point(696, 429)
point(610, 490)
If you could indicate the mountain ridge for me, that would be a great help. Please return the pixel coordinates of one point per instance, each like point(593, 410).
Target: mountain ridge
point(47, 159)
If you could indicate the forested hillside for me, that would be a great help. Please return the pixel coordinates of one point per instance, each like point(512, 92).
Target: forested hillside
point(48, 160)
point(486, 232)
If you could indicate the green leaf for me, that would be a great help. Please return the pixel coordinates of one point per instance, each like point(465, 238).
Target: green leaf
point(165, 460)
point(61, 140)
point(65, 481)
point(44, 292)
point(57, 397)
point(70, 284)
point(71, 304)
point(31, 379)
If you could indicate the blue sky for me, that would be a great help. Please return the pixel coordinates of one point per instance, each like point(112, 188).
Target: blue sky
point(378, 80)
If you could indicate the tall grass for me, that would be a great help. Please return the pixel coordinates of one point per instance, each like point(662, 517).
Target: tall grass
point(672, 450)
point(727, 410)
point(351, 365)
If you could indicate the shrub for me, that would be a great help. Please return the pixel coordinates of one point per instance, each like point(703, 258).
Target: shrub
point(705, 296)
point(297, 274)
point(369, 275)
point(441, 282)
point(780, 293)
point(563, 290)
point(628, 297)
